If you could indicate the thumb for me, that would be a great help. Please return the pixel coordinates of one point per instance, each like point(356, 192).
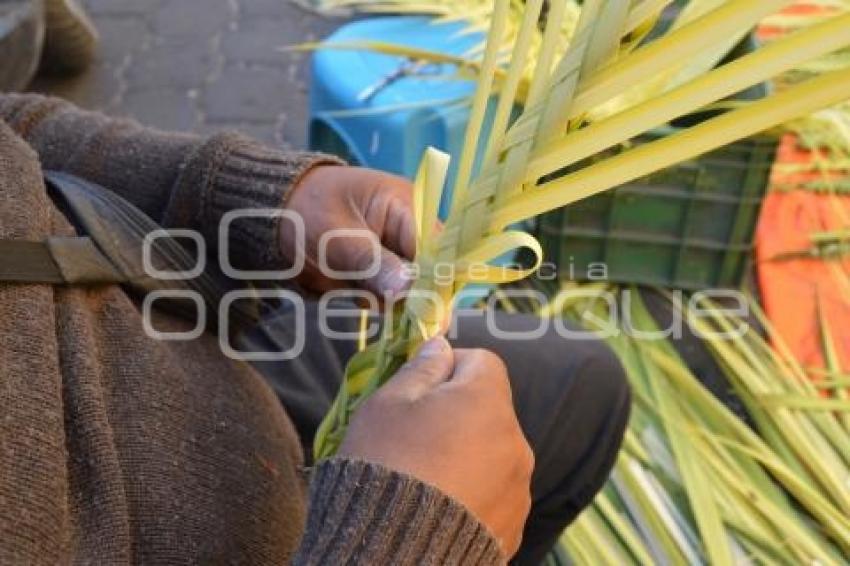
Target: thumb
point(390, 280)
point(380, 270)
point(432, 365)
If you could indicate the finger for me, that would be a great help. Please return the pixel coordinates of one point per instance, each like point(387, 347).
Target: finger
point(481, 367)
point(400, 234)
point(401, 188)
point(363, 259)
point(431, 366)
point(391, 279)
point(511, 547)
point(390, 213)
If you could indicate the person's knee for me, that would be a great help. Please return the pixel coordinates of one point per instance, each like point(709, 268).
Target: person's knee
point(604, 376)
point(570, 392)
point(579, 426)
point(592, 369)
point(604, 397)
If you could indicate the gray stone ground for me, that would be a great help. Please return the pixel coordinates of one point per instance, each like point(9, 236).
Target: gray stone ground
point(201, 65)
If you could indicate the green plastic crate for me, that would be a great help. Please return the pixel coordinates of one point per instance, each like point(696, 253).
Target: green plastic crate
point(689, 226)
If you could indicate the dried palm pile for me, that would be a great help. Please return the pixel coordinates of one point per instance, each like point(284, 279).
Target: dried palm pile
point(694, 483)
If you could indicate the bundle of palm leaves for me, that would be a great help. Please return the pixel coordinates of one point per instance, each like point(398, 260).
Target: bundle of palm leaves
point(522, 170)
point(694, 483)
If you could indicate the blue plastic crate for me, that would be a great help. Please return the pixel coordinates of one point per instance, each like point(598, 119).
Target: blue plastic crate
point(390, 129)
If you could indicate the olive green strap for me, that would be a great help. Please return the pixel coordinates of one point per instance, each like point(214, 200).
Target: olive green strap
point(56, 261)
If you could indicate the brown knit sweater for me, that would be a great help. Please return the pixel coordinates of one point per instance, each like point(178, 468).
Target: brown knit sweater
point(115, 448)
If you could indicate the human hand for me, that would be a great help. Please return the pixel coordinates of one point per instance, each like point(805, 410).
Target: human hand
point(447, 419)
point(333, 197)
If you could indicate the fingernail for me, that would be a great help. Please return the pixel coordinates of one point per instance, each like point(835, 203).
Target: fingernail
point(396, 281)
point(433, 348)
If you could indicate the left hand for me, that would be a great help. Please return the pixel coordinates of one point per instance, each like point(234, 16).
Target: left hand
point(332, 197)
point(447, 418)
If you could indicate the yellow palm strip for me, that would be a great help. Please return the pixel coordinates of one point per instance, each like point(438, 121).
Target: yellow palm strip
point(697, 36)
point(725, 81)
point(427, 193)
point(479, 104)
point(816, 93)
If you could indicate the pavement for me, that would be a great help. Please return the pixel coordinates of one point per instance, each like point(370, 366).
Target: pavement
point(201, 66)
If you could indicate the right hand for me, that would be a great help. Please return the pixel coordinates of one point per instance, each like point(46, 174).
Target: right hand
point(447, 419)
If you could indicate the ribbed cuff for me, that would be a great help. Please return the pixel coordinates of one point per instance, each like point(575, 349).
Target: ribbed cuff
point(362, 513)
point(23, 112)
point(233, 172)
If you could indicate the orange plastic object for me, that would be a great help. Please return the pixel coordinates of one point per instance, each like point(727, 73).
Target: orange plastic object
point(801, 8)
point(792, 285)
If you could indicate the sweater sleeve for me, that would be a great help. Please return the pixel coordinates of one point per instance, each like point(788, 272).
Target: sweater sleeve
point(179, 180)
point(362, 513)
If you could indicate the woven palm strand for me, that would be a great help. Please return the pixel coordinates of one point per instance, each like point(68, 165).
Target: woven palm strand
point(550, 134)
